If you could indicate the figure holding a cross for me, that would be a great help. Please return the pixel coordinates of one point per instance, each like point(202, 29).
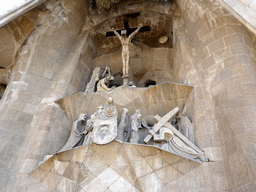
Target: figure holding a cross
point(125, 41)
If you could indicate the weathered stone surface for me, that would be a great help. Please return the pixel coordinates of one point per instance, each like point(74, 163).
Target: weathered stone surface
point(138, 167)
point(162, 98)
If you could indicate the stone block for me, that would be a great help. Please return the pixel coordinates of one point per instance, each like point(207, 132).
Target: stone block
point(48, 73)
point(225, 74)
point(108, 177)
point(151, 182)
point(36, 70)
point(168, 174)
point(238, 69)
point(220, 32)
point(29, 108)
point(95, 185)
point(216, 46)
point(44, 82)
point(121, 185)
point(231, 61)
point(141, 168)
point(222, 55)
point(186, 166)
point(51, 181)
point(25, 117)
point(65, 185)
point(243, 59)
point(156, 162)
point(239, 49)
point(233, 39)
point(231, 147)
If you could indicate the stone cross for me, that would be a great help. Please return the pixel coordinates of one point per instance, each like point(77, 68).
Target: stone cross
point(178, 134)
point(161, 122)
point(128, 30)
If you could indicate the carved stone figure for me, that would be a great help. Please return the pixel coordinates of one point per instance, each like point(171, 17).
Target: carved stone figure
point(125, 41)
point(177, 143)
point(103, 84)
point(131, 84)
point(105, 124)
point(162, 121)
point(122, 125)
point(164, 134)
point(106, 72)
point(97, 76)
point(88, 130)
point(90, 87)
point(77, 130)
point(135, 125)
point(127, 132)
point(186, 128)
point(177, 146)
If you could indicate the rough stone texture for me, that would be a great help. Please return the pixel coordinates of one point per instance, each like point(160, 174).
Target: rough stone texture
point(12, 10)
point(49, 53)
point(154, 100)
point(31, 126)
point(214, 55)
point(118, 167)
point(243, 10)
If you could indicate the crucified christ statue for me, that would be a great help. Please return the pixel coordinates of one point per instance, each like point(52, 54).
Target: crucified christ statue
point(125, 41)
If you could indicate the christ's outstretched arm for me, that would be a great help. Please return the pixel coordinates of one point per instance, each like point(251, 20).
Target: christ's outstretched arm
point(117, 34)
point(136, 31)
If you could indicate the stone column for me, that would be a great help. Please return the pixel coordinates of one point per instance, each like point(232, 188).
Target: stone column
point(215, 54)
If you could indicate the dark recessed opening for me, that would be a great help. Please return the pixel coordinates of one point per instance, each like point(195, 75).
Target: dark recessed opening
point(134, 15)
point(2, 90)
point(149, 82)
point(113, 83)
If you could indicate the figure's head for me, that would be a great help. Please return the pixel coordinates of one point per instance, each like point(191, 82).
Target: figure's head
point(110, 100)
point(144, 122)
point(131, 83)
point(138, 114)
point(93, 116)
point(82, 116)
point(123, 33)
point(110, 77)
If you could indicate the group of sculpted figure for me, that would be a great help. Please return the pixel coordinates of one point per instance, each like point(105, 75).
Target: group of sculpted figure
point(104, 81)
point(102, 127)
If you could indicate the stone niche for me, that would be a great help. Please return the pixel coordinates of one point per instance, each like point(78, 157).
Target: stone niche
point(160, 149)
point(146, 65)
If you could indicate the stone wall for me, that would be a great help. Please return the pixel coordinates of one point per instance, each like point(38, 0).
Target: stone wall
point(244, 11)
point(32, 126)
point(215, 54)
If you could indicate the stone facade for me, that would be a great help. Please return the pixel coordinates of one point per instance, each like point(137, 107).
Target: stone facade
point(48, 55)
